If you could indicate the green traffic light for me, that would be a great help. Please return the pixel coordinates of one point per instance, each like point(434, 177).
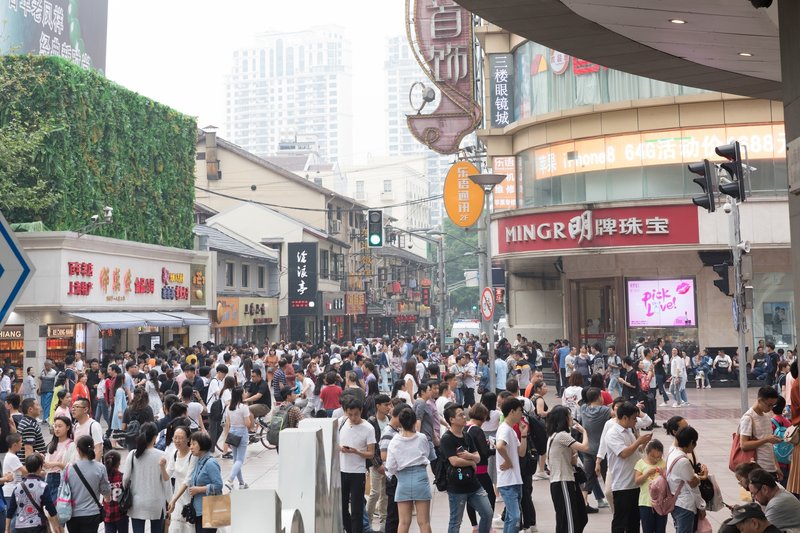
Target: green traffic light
point(374, 239)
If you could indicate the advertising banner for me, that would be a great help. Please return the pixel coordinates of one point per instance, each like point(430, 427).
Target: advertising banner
point(501, 89)
point(504, 195)
point(72, 29)
point(661, 303)
point(463, 198)
point(599, 228)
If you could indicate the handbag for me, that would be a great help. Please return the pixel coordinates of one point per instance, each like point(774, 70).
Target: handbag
point(792, 435)
point(217, 511)
point(580, 475)
point(64, 501)
point(704, 526)
point(94, 496)
point(189, 514)
point(233, 440)
point(126, 498)
point(738, 455)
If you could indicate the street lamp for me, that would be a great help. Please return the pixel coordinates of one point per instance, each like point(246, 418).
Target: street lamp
point(487, 182)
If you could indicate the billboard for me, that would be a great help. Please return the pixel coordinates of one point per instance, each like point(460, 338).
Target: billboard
point(463, 198)
point(303, 278)
point(501, 89)
point(72, 29)
point(661, 303)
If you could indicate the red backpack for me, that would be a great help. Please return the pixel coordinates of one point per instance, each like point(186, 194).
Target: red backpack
point(644, 381)
point(662, 498)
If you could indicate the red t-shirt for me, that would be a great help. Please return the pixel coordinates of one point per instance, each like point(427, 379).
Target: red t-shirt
point(330, 396)
point(607, 399)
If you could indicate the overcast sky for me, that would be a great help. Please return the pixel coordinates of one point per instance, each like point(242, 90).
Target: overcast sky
point(178, 51)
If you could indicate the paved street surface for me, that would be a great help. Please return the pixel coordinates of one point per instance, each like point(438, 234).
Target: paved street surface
point(714, 413)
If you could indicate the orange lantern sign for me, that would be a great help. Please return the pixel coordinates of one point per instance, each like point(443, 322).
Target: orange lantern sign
point(463, 199)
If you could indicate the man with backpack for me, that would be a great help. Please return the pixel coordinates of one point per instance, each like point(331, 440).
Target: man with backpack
point(214, 404)
point(287, 415)
point(460, 457)
point(376, 503)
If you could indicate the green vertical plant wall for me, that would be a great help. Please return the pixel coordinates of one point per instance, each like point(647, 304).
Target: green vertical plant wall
point(80, 142)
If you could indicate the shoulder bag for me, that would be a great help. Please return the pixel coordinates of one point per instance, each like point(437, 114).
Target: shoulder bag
point(94, 496)
point(738, 455)
point(35, 504)
point(126, 498)
point(64, 501)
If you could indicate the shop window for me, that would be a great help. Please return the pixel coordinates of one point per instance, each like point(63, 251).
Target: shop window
point(245, 275)
point(229, 275)
point(262, 277)
point(663, 181)
point(773, 309)
point(625, 184)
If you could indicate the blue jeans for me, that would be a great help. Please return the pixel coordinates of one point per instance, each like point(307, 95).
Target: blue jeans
point(101, 411)
point(53, 480)
point(511, 496)
point(239, 454)
point(47, 399)
point(479, 501)
point(652, 522)
point(683, 520)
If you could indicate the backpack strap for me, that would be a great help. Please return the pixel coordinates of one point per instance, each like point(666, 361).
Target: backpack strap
point(35, 504)
point(86, 484)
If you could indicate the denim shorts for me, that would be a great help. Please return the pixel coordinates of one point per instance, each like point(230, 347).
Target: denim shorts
point(413, 484)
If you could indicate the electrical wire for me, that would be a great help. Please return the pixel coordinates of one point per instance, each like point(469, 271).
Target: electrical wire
point(314, 209)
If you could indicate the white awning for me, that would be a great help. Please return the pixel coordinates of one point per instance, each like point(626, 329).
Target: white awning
point(113, 320)
point(160, 320)
point(190, 319)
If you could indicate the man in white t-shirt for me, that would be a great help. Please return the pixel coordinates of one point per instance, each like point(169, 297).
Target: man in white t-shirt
point(509, 448)
point(86, 425)
point(622, 449)
point(755, 431)
point(356, 445)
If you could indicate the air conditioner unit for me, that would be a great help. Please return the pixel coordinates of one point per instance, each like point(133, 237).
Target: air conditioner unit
point(336, 227)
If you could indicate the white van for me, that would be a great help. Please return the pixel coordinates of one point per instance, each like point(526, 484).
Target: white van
point(466, 326)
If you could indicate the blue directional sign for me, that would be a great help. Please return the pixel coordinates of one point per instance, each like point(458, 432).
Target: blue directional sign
point(16, 270)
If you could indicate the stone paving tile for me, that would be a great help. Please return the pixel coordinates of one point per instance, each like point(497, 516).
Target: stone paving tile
point(713, 412)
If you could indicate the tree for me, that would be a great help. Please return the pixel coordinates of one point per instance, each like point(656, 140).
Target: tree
point(457, 261)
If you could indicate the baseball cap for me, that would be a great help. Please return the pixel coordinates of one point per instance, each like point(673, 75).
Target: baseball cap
point(750, 510)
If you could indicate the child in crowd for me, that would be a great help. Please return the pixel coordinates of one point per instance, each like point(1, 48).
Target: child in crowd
point(29, 500)
point(63, 405)
point(115, 520)
point(647, 468)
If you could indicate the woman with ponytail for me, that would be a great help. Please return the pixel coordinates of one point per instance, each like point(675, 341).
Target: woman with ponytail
point(87, 504)
point(146, 470)
point(116, 521)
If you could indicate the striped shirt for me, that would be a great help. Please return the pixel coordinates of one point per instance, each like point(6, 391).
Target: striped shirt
point(31, 434)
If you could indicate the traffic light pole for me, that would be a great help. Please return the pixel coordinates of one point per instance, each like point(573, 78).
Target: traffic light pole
point(485, 267)
point(739, 303)
point(442, 293)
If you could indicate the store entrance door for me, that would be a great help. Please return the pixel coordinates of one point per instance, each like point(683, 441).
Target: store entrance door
point(596, 320)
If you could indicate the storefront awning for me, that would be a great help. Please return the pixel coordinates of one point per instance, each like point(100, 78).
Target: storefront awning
point(120, 320)
point(112, 320)
point(190, 319)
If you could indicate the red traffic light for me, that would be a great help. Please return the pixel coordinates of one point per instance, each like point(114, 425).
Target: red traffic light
point(732, 152)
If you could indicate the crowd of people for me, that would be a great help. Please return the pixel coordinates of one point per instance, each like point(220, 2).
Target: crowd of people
point(139, 436)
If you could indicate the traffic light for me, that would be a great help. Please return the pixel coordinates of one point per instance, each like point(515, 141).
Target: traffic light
point(375, 228)
point(723, 283)
point(732, 152)
point(707, 181)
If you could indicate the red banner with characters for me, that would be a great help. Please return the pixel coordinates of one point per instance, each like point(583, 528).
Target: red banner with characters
point(599, 228)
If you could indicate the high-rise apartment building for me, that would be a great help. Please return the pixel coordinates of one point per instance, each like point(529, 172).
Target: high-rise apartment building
point(402, 71)
point(288, 85)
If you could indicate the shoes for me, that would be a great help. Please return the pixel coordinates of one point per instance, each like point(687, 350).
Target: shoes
point(685, 404)
point(229, 486)
point(533, 529)
point(540, 476)
point(228, 455)
point(497, 523)
point(602, 503)
point(698, 387)
point(243, 486)
point(663, 404)
point(708, 386)
point(651, 427)
point(675, 404)
point(591, 510)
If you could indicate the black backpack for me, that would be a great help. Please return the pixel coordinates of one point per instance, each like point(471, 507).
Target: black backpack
point(440, 474)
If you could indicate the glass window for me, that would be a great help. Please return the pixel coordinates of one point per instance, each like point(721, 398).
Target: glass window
point(229, 274)
point(262, 277)
point(245, 275)
point(387, 185)
point(324, 264)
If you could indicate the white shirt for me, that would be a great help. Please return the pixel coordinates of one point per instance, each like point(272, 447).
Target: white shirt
point(404, 452)
point(621, 470)
point(765, 454)
point(358, 437)
point(688, 498)
point(512, 476)
point(678, 367)
point(641, 423)
point(213, 387)
point(11, 463)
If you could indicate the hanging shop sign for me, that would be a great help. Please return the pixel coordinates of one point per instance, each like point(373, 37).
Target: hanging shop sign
point(303, 277)
point(197, 295)
point(258, 311)
point(504, 195)
point(463, 199)
point(442, 41)
point(227, 315)
point(12, 332)
point(599, 228)
point(355, 303)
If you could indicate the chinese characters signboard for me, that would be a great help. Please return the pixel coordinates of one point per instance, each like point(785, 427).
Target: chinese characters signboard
point(501, 88)
point(463, 199)
point(75, 31)
point(661, 303)
point(504, 195)
point(443, 32)
point(598, 228)
point(302, 278)
point(656, 148)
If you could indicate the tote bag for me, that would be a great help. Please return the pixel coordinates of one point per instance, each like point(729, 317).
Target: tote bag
point(217, 511)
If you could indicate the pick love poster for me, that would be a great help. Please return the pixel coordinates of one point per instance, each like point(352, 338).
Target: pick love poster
point(661, 303)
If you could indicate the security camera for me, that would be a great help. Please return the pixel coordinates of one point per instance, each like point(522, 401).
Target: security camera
point(727, 207)
point(108, 213)
point(95, 218)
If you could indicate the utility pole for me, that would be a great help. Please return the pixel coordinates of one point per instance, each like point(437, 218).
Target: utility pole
point(442, 292)
point(739, 301)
